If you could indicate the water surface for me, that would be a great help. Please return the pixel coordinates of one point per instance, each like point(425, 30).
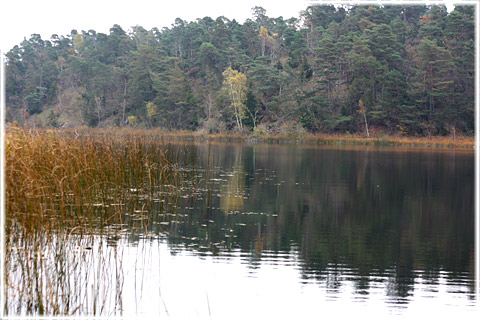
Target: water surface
point(297, 231)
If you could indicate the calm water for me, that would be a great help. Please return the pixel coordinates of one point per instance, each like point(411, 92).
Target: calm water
point(295, 231)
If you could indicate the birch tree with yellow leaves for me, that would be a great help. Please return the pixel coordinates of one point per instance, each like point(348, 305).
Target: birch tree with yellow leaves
point(235, 85)
point(263, 35)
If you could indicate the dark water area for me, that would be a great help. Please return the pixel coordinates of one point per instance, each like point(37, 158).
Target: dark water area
point(298, 231)
point(395, 224)
point(368, 217)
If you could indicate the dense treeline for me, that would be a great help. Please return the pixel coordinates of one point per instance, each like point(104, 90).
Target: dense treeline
point(395, 69)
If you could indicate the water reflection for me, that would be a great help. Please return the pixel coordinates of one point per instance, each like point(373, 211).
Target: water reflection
point(370, 210)
point(369, 219)
point(338, 225)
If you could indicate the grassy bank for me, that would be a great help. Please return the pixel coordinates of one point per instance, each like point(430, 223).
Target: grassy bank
point(287, 137)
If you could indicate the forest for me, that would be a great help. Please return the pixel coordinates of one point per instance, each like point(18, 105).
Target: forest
point(406, 70)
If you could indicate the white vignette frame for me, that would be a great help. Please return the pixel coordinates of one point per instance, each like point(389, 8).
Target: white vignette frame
point(474, 3)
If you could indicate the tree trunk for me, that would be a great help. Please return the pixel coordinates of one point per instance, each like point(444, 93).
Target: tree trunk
point(366, 124)
point(98, 102)
point(263, 46)
point(237, 114)
point(124, 100)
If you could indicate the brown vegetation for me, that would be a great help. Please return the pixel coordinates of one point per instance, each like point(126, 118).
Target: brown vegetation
point(65, 192)
point(285, 136)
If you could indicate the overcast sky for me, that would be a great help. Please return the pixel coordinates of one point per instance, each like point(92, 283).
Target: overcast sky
point(21, 18)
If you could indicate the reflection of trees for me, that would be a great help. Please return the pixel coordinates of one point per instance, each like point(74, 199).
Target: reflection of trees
point(370, 211)
point(233, 192)
point(410, 224)
point(398, 215)
point(389, 214)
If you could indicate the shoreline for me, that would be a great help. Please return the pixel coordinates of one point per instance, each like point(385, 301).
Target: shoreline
point(462, 142)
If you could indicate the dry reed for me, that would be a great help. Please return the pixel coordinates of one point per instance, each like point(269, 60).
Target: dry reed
point(66, 195)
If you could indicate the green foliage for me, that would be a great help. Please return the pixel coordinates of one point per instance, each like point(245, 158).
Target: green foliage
point(133, 121)
point(52, 119)
point(209, 55)
point(259, 132)
point(152, 110)
point(411, 66)
point(78, 44)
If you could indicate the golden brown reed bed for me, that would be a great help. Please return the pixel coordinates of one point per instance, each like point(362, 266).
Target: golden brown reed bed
point(64, 193)
point(50, 174)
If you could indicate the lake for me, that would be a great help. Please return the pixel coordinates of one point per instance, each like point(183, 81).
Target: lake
point(263, 230)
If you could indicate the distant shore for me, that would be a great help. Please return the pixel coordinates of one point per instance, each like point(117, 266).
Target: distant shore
point(464, 142)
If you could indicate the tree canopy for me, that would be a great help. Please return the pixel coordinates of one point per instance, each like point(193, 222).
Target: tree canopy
point(394, 69)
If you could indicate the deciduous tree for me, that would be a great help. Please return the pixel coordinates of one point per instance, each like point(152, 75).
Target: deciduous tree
point(235, 85)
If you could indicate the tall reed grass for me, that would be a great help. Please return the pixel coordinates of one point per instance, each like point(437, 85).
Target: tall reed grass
point(67, 197)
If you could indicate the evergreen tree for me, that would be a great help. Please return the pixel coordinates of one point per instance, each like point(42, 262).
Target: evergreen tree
point(401, 69)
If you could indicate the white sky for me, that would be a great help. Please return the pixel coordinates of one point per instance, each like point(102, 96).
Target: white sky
point(21, 18)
